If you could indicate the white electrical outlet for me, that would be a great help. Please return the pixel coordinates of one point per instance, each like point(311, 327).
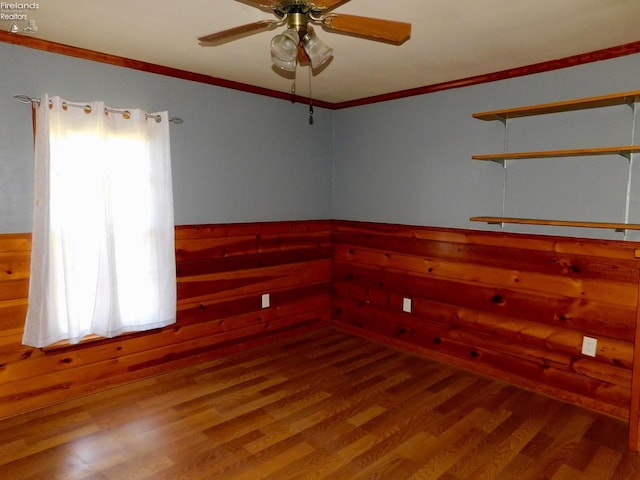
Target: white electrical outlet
point(406, 305)
point(266, 300)
point(589, 346)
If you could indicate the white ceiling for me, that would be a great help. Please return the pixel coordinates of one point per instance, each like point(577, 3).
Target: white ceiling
point(451, 39)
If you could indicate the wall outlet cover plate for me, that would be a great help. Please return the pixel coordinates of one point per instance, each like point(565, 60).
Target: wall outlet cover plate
point(406, 305)
point(589, 346)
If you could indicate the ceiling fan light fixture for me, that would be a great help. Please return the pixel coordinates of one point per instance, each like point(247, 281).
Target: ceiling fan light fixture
point(288, 65)
point(318, 52)
point(285, 45)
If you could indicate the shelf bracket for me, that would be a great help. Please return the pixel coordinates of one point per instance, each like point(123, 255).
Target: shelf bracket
point(631, 101)
point(497, 223)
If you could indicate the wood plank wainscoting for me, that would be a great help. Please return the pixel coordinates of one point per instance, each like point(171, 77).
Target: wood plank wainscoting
point(511, 306)
point(223, 271)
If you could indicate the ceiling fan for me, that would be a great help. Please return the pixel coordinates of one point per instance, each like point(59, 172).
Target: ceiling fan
point(298, 44)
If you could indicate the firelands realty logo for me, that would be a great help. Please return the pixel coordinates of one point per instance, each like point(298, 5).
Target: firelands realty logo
point(17, 14)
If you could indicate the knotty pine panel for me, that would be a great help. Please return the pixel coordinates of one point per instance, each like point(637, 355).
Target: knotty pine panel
point(591, 317)
point(222, 270)
point(608, 291)
point(512, 306)
point(553, 259)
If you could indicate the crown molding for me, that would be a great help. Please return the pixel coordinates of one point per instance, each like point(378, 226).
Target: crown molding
point(572, 61)
point(85, 54)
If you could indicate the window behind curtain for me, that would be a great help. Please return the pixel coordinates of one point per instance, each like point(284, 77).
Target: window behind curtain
point(103, 255)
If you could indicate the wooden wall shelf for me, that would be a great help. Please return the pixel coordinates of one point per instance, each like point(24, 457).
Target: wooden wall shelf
point(565, 106)
point(557, 223)
point(625, 151)
point(625, 98)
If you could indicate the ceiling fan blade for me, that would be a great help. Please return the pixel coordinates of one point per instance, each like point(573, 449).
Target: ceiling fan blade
point(326, 5)
point(237, 32)
point(371, 28)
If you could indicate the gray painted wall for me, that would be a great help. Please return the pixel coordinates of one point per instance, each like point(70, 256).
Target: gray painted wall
point(409, 161)
point(233, 158)
point(404, 161)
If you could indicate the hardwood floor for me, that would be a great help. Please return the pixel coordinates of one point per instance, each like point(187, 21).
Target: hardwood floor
point(327, 405)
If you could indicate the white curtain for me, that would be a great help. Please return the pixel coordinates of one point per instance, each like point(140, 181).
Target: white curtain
point(103, 255)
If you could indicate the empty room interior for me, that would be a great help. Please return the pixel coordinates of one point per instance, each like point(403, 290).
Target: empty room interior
point(410, 250)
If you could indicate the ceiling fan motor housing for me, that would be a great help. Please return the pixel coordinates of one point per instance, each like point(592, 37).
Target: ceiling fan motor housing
point(298, 21)
point(297, 14)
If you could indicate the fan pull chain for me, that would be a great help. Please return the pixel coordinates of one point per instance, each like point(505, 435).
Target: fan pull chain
point(293, 85)
point(310, 100)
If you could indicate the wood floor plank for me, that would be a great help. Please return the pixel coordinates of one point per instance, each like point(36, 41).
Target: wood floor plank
point(603, 464)
point(438, 454)
point(325, 405)
point(567, 429)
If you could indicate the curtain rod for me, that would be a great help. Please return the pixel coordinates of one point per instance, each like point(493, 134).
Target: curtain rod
point(36, 101)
